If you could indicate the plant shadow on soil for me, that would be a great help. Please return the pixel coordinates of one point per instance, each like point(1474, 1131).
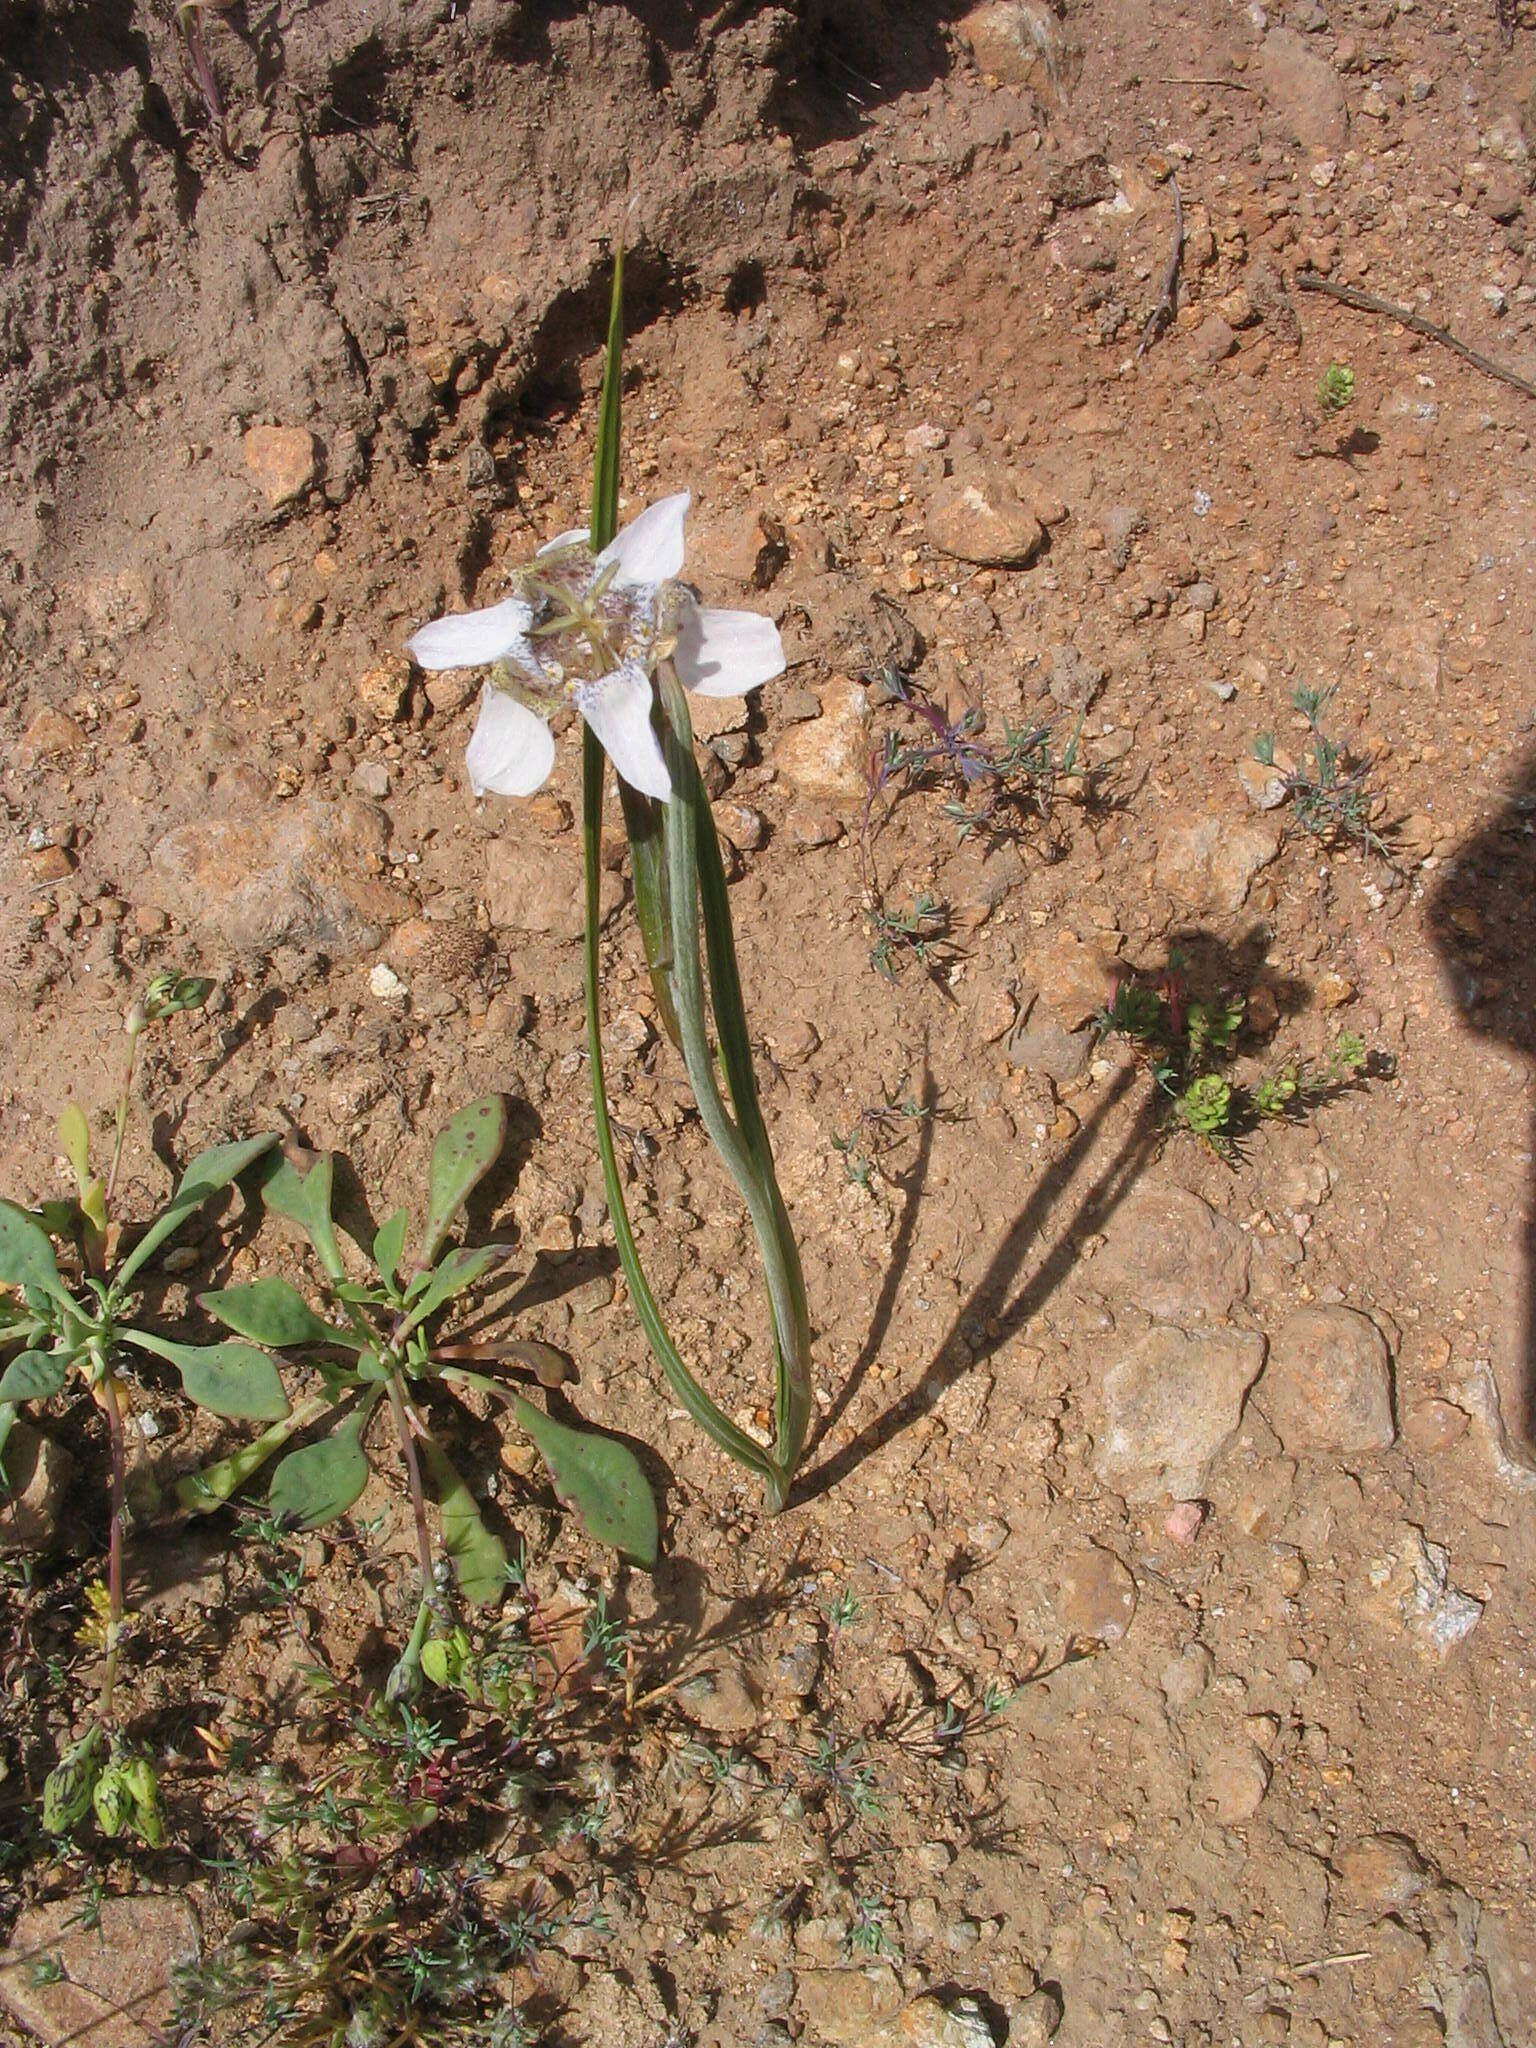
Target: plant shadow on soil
point(1482, 920)
point(997, 1307)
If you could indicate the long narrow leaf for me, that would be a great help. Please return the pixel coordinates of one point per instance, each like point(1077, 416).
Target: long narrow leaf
point(605, 463)
point(647, 861)
point(208, 1173)
point(735, 1442)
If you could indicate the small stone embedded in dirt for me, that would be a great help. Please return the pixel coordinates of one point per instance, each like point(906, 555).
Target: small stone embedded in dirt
point(114, 1957)
point(1033, 2021)
point(371, 779)
point(1075, 681)
point(50, 733)
point(531, 887)
point(1207, 863)
point(744, 827)
point(1304, 90)
point(849, 2008)
point(1173, 1403)
point(1412, 1584)
point(385, 984)
point(810, 829)
point(1263, 783)
point(283, 461)
point(383, 690)
point(267, 875)
point(724, 1700)
point(1169, 1253)
point(978, 515)
point(1017, 42)
point(1079, 182)
point(826, 756)
point(1434, 1425)
point(1381, 1873)
point(930, 2022)
point(1328, 1384)
point(1184, 1678)
point(1236, 1781)
point(37, 1476)
point(1075, 978)
point(1212, 341)
point(1183, 1522)
point(1120, 525)
point(1040, 1045)
point(1098, 1595)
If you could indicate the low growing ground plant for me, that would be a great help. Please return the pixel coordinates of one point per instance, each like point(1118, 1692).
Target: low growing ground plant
point(377, 1346)
point(1330, 787)
point(74, 1309)
point(1188, 1044)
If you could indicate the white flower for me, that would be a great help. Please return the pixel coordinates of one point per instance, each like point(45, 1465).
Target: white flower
point(590, 630)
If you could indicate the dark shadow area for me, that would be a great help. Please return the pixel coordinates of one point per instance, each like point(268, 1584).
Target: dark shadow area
point(845, 58)
point(1482, 919)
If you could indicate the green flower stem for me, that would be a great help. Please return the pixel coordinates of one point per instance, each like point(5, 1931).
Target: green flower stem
point(201, 1492)
point(107, 1392)
point(749, 1164)
point(135, 1033)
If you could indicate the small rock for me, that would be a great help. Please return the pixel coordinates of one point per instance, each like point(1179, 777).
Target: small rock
point(50, 864)
point(1040, 1045)
point(383, 690)
point(532, 887)
point(1213, 340)
point(37, 1476)
point(1033, 2022)
point(262, 874)
point(1381, 1873)
point(1098, 1595)
point(1236, 1781)
point(811, 829)
point(1432, 1426)
point(385, 984)
point(977, 515)
point(110, 1965)
point(724, 1700)
point(1328, 1384)
point(371, 778)
point(1075, 978)
point(827, 756)
point(1018, 42)
point(1170, 1253)
point(1184, 1678)
point(1183, 1523)
point(1413, 1582)
point(1304, 91)
point(1075, 682)
point(744, 827)
point(796, 1043)
point(1173, 1403)
point(930, 2022)
point(924, 439)
point(1263, 783)
point(1332, 991)
point(283, 461)
point(1207, 863)
point(849, 2008)
point(1121, 524)
point(51, 732)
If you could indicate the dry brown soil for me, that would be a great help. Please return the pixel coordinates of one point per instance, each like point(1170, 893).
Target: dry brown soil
point(1275, 1782)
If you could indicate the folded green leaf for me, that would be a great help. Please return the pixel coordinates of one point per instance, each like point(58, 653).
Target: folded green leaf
point(451, 1276)
point(26, 1256)
point(33, 1376)
point(208, 1173)
point(479, 1559)
point(464, 1153)
point(305, 1199)
point(321, 1481)
point(389, 1244)
point(599, 1479)
point(271, 1312)
point(75, 1139)
point(227, 1379)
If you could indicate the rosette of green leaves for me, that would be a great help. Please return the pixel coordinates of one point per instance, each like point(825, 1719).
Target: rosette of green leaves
point(375, 1344)
point(76, 1328)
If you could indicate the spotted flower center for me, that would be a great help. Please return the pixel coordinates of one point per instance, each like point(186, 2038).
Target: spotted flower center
point(586, 626)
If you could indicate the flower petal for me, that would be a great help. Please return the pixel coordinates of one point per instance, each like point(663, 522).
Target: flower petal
point(511, 751)
point(469, 639)
point(618, 709)
point(563, 540)
point(725, 654)
point(650, 549)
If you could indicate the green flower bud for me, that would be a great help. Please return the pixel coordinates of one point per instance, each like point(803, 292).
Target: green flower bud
point(69, 1785)
point(113, 1801)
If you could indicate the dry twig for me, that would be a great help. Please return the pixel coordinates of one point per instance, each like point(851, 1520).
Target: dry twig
point(1162, 314)
point(1367, 302)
